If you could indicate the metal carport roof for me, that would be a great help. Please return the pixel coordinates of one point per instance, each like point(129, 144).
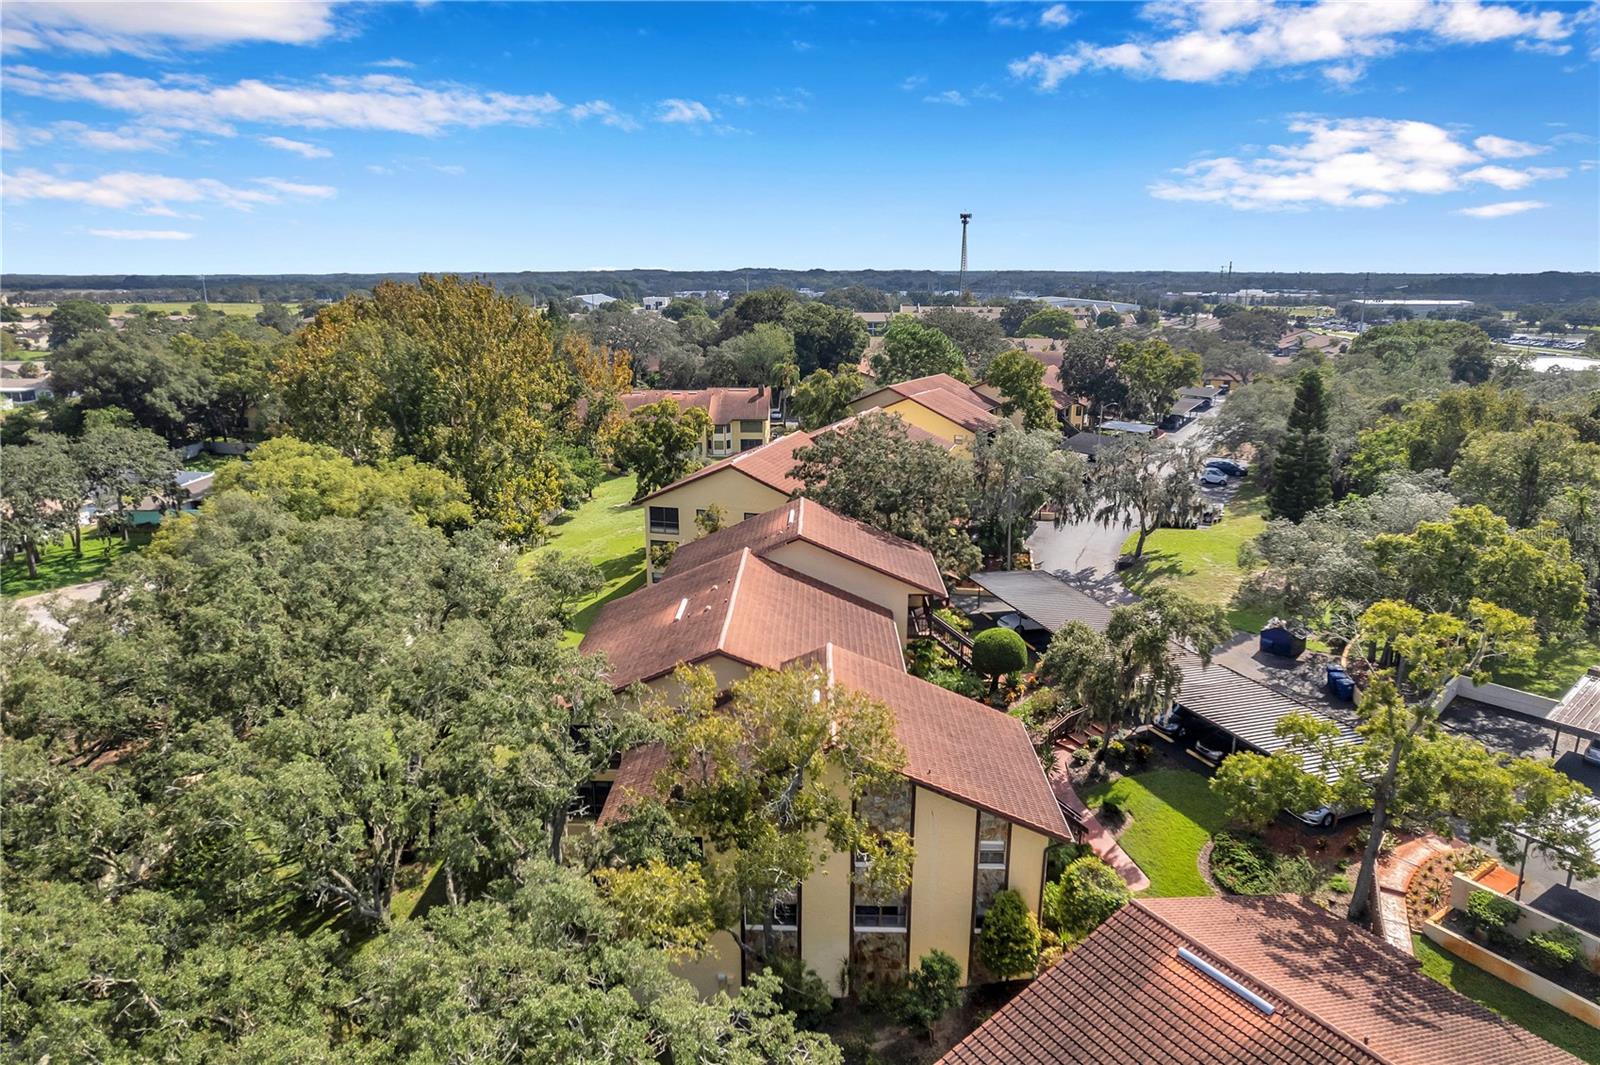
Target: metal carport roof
point(1044, 597)
point(1243, 707)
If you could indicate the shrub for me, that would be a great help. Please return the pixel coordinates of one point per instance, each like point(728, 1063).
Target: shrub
point(1060, 855)
point(931, 991)
point(803, 992)
point(1470, 859)
point(1555, 950)
point(1142, 752)
point(1081, 756)
point(1009, 944)
point(1116, 749)
point(1110, 813)
point(1088, 892)
point(1491, 914)
point(1340, 884)
point(996, 652)
point(1358, 841)
point(1038, 707)
point(1242, 865)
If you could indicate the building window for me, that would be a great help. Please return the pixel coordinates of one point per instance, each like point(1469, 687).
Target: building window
point(959, 440)
point(664, 520)
point(751, 425)
point(870, 918)
point(861, 861)
point(992, 854)
point(748, 515)
point(748, 444)
point(589, 800)
point(784, 916)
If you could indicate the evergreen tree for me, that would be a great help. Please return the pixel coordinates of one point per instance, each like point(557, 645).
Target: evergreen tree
point(1302, 474)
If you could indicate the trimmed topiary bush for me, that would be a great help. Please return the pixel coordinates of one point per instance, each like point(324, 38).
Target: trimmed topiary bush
point(997, 652)
point(1088, 892)
point(1009, 944)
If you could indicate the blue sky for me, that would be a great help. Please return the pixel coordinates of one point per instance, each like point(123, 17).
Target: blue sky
point(321, 137)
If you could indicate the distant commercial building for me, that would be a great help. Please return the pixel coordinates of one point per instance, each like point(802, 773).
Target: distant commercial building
point(1096, 305)
point(591, 300)
point(655, 303)
point(1416, 306)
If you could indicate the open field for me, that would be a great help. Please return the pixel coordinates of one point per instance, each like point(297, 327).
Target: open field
point(1203, 563)
point(1173, 815)
point(608, 531)
point(165, 308)
point(1514, 1004)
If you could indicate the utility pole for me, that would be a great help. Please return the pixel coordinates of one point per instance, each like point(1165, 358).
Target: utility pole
point(965, 218)
point(203, 297)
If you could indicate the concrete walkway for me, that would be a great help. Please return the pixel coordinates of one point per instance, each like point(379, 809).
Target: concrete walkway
point(1096, 835)
point(1394, 874)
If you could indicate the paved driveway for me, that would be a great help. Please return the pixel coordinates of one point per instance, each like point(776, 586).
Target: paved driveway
point(38, 606)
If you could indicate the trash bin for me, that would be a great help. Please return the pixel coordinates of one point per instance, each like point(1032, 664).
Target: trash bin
point(1339, 685)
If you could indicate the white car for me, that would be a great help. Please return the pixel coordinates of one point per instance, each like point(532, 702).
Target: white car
point(1213, 477)
point(1325, 816)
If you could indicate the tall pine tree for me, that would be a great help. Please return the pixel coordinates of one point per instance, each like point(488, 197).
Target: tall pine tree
point(1302, 473)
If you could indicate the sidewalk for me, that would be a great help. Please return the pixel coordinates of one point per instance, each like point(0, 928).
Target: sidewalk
point(1394, 874)
point(1099, 839)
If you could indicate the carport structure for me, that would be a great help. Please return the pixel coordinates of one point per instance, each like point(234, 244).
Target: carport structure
point(1577, 713)
point(1244, 708)
point(1043, 598)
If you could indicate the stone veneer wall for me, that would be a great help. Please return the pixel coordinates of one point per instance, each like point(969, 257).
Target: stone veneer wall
point(987, 883)
point(880, 957)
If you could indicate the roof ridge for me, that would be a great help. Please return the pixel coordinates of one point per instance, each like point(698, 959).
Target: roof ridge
point(733, 596)
point(1239, 971)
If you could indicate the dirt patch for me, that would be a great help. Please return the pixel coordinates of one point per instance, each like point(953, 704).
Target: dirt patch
point(1203, 861)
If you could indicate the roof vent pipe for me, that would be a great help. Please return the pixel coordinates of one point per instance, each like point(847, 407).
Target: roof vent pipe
point(683, 604)
point(1227, 981)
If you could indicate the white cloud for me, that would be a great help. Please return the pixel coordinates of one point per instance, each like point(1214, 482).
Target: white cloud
point(1055, 16)
point(1501, 210)
point(915, 81)
point(121, 139)
point(683, 111)
point(151, 193)
point(302, 148)
point(393, 64)
point(1196, 41)
point(1353, 162)
point(950, 96)
point(1504, 148)
point(1504, 177)
point(604, 113)
point(294, 188)
point(802, 46)
point(147, 28)
point(141, 234)
point(370, 101)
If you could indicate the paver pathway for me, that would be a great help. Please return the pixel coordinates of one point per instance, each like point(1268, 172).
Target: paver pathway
point(1394, 873)
point(1096, 835)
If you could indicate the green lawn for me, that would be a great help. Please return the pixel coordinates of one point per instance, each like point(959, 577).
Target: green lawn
point(1556, 667)
point(1512, 1003)
point(59, 566)
point(1204, 563)
point(608, 531)
point(251, 309)
point(1173, 815)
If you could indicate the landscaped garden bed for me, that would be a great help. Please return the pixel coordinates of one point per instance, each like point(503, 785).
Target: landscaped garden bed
point(1555, 955)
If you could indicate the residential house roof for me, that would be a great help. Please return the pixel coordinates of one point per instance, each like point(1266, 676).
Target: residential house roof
point(739, 606)
point(1187, 405)
point(1200, 391)
point(1335, 994)
point(955, 746)
point(958, 408)
point(772, 463)
point(809, 521)
point(1136, 428)
point(910, 388)
point(723, 405)
point(1089, 443)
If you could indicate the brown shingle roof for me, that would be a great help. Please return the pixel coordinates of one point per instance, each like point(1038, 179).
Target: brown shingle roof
point(810, 521)
point(1352, 981)
point(724, 405)
point(1338, 994)
point(740, 606)
point(955, 746)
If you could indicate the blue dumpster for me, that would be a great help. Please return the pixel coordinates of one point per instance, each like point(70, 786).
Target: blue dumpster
point(1340, 686)
point(1279, 639)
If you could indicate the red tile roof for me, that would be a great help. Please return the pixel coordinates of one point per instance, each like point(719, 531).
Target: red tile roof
point(953, 745)
point(740, 606)
point(1352, 981)
point(809, 521)
point(1338, 994)
point(958, 408)
point(724, 405)
point(635, 780)
point(943, 381)
point(771, 463)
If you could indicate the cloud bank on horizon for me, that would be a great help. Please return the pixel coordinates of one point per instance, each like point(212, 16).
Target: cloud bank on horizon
point(360, 104)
